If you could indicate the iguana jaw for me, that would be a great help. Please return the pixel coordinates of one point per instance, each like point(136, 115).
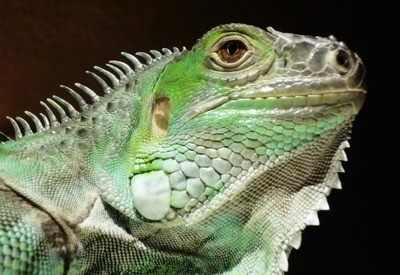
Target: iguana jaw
point(300, 91)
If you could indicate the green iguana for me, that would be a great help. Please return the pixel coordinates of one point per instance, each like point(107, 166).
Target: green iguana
point(203, 161)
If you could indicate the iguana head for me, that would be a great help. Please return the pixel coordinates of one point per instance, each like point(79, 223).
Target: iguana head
point(235, 61)
point(257, 123)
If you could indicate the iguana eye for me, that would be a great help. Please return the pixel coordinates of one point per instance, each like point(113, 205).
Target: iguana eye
point(231, 51)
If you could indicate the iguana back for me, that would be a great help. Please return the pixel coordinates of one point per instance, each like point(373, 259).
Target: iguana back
point(210, 160)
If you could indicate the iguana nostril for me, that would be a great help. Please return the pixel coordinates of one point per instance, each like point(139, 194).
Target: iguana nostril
point(343, 60)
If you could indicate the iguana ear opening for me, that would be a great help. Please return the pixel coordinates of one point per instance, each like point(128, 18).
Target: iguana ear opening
point(161, 113)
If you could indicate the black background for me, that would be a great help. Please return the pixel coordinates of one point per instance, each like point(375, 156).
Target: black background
point(48, 43)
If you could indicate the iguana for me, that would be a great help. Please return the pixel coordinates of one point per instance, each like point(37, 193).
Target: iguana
point(203, 161)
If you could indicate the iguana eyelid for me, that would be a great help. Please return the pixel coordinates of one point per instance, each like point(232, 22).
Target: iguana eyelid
point(215, 63)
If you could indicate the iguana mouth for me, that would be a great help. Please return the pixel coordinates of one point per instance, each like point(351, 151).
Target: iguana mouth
point(263, 100)
point(285, 102)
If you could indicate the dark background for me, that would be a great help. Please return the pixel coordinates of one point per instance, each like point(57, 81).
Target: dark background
point(48, 43)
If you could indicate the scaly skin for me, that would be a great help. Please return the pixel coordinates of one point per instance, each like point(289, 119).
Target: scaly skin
point(205, 161)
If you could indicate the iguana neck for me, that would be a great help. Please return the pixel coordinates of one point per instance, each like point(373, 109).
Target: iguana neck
point(91, 147)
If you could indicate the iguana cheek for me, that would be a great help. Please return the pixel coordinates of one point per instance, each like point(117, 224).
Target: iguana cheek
point(151, 194)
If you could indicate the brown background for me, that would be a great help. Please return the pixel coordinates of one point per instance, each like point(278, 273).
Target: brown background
point(48, 43)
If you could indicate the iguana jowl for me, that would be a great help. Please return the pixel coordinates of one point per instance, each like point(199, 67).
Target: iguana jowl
point(209, 161)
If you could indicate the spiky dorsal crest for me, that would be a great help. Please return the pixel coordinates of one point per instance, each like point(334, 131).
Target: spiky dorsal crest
point(120, 75)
